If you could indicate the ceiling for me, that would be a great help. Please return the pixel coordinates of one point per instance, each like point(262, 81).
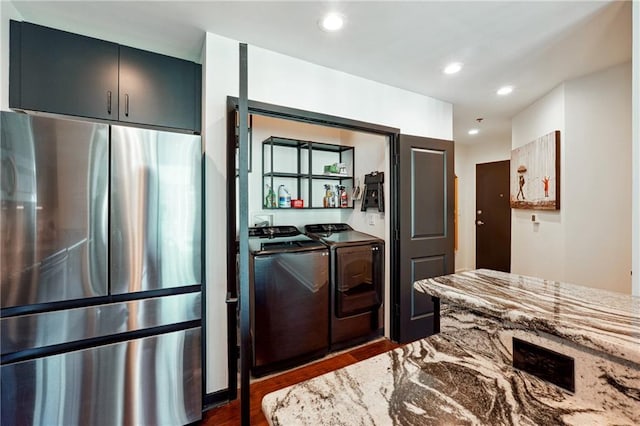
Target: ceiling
point(533, 46)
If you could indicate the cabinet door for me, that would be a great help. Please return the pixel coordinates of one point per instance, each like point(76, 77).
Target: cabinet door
point(59, 72)
point(158, 90)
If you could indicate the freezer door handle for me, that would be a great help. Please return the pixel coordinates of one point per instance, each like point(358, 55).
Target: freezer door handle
point(126, 104)
point(109, 102)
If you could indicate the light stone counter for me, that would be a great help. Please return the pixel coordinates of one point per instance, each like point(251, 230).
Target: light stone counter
point(602, 320)
point(464, 375)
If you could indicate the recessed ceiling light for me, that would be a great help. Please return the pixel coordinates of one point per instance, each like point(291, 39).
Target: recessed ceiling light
point(474, 131)
point(332, 22)
point(505, 90)
point(453, 68)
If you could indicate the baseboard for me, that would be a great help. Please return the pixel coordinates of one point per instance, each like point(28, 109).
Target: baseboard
point(215, 399)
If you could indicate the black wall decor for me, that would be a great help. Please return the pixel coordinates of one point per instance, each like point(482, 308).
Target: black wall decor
point(373, 192)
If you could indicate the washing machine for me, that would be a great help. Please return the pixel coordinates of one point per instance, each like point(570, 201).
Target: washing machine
point(289, 298)
point(356, 282)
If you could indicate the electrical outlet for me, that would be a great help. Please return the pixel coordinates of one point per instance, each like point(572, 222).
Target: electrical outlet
point(372, 220)
point(262, 220)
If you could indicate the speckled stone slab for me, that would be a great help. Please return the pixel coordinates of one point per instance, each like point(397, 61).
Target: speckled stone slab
point(598, 319)
point(463, 376)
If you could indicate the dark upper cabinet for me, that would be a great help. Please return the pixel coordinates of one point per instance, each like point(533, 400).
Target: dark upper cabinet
point(158, 90)
point(59, 72)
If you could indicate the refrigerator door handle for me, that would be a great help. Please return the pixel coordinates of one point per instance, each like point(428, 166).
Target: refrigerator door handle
point(126, 104)
point(109, 102)
point(10, 181)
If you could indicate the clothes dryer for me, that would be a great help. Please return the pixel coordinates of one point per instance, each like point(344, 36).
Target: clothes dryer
point(356, 282)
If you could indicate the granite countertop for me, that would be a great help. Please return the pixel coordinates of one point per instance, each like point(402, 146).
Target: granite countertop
point(598, 319)
point(461, 376)
point(465, 375)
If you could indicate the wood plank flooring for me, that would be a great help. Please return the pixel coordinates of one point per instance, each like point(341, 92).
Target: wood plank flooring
point(229, 414)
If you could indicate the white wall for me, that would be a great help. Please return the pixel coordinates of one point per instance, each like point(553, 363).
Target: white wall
point(282, 80)
point(7, 12)
point(371, 154)
point(538, 250)
point(461, 170)
point(4, 65)
point(588, 241)
point(467, 156)
point(597, 176)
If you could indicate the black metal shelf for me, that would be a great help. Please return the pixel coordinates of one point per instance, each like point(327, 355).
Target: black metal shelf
point(309, 208)
point(330, 177)
point(304, 154)
point(298, 143)
point(307, 176)
point(283, 175)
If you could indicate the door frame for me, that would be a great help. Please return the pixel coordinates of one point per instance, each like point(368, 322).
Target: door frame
point(303, 116)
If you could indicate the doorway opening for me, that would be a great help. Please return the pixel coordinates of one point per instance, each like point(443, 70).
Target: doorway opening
point(373, 146)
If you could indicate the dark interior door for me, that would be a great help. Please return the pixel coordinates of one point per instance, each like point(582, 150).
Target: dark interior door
point(423, 214)
point(493, 216)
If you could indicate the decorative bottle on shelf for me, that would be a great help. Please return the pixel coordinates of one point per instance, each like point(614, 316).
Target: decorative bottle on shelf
point(344, 201)
point(270, 199)
point(327, 200)
point(284, 198)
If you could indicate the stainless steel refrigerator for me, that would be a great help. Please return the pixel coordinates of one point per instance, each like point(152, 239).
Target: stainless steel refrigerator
point(100, 291)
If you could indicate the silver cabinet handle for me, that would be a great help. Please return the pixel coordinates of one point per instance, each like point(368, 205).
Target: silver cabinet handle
point(479, 223)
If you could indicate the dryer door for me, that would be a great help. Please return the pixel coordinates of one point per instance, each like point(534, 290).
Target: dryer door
point(358, 279)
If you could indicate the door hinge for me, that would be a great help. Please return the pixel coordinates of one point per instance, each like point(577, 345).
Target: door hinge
point(396, 234)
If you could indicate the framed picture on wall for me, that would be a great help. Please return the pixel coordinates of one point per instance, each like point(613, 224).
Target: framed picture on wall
point(535, 174)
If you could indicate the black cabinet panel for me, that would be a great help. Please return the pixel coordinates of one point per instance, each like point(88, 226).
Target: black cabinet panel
point(59, 72)
point(158, 90)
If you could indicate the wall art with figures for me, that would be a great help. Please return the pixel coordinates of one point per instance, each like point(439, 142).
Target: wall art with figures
point(535, 174)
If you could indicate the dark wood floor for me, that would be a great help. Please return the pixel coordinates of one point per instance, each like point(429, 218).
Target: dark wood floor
point(229, 414)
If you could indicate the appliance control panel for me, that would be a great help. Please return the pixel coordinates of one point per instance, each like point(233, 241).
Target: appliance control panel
point(273, 231)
